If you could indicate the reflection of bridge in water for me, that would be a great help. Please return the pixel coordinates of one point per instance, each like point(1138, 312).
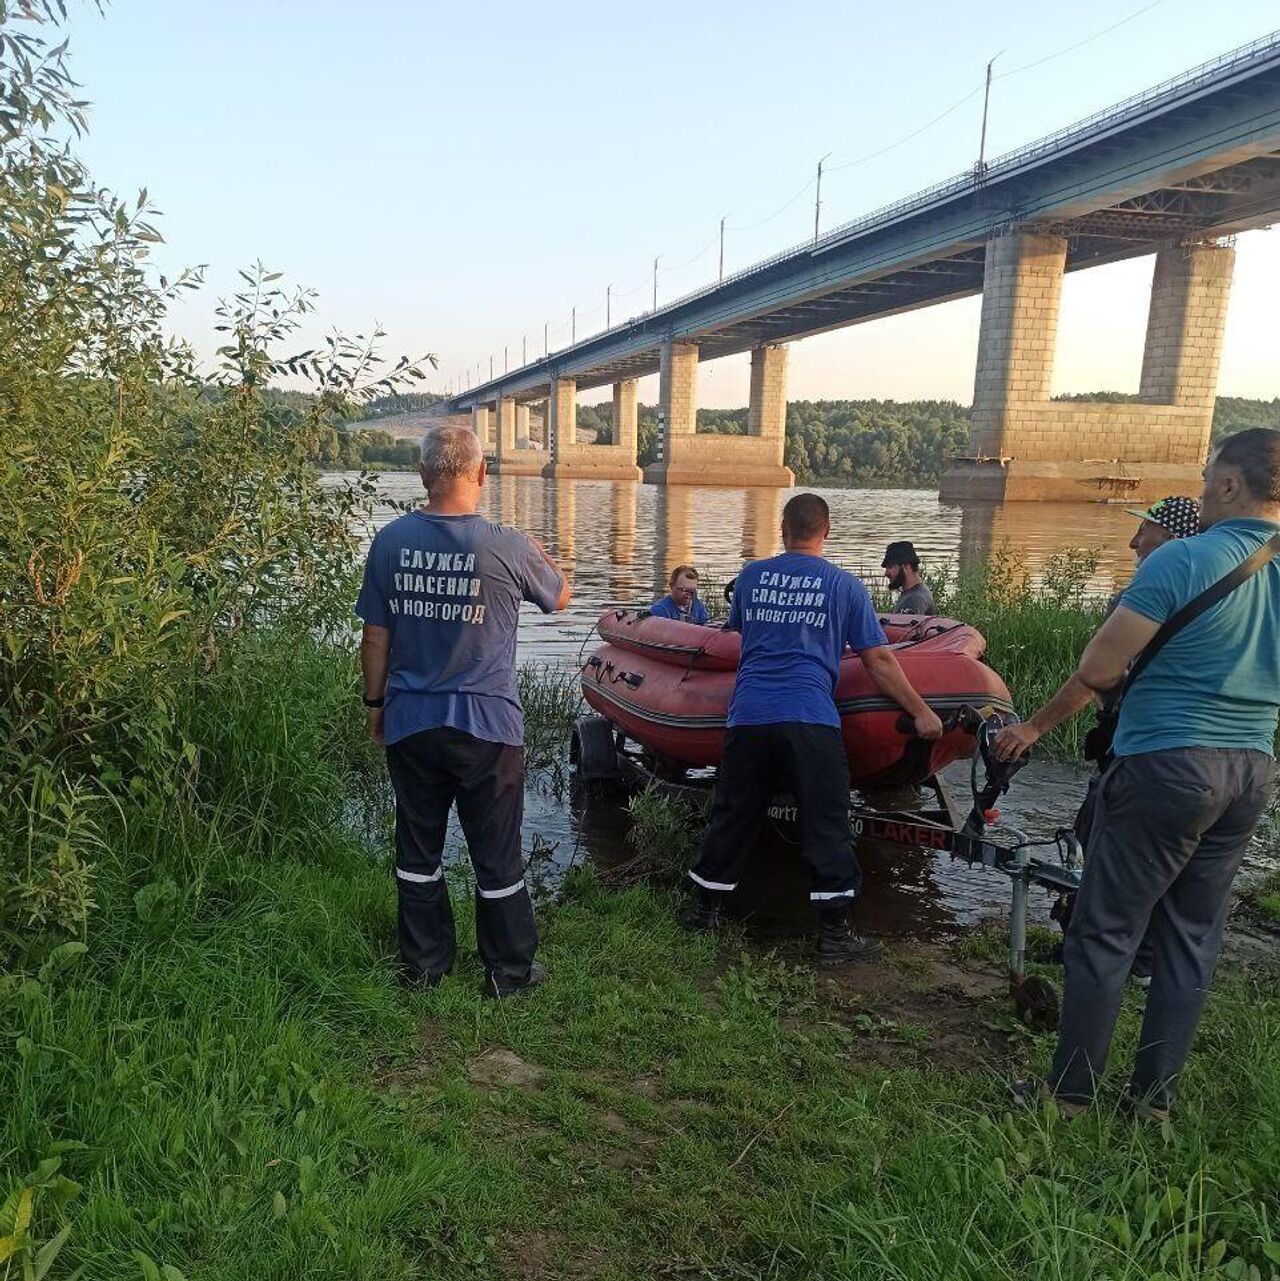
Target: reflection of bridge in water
point(621, 540)
point(679, 509)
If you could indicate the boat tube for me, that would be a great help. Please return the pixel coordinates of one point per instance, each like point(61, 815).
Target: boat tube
point(666, 685)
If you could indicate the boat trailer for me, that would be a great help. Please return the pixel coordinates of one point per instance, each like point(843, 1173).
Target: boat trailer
point(599, 751)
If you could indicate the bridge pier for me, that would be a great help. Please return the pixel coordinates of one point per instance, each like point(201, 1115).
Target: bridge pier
point(1024, 446)
point(513, 427)
point(687, 458)
point(616, 461)
point(480, 421)
point(626, 404)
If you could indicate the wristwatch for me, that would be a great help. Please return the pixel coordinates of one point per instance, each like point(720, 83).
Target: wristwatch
point(374, 702)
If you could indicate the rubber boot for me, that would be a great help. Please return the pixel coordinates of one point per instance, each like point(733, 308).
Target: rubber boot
point(703, 911)
point(838, 944)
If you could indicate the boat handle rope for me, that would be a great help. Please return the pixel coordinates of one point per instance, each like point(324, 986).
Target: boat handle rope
point(614, 675)
point(928, 635)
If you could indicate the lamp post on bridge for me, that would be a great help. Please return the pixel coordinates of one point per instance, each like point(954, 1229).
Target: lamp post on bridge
point(722, 220)
point(986, 103)
point(546, 330)
point(524, 349)
point(608, 298)
point(506, 368)
point(817, 198)
point(655, 282)
point(573, 325)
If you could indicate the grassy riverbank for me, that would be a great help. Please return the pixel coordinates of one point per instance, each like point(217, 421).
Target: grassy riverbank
point(235, 1086)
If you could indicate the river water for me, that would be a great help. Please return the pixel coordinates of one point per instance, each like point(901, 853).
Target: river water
point(619, 541)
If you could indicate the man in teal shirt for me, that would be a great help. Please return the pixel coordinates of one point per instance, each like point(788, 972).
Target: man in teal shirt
point(1193, 773)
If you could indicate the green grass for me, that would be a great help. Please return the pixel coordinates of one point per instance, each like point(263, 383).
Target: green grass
point(259, 1100)
point(235, 1087)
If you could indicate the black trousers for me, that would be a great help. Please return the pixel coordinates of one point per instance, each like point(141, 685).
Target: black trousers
point(758, 762)
point(431, 771)
point(1170, 830)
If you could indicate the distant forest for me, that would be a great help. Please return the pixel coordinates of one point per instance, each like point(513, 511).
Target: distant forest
point(834, 442)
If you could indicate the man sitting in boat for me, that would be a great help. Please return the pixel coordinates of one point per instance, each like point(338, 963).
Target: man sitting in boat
point(796, 613)
point(901, 567)
point(681, 601)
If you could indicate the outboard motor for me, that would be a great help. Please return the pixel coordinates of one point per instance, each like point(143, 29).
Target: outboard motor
point(997, 774)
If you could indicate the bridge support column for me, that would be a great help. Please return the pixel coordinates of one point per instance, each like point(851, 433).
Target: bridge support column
point(505, 444)
point(480, 424)
point(616, 461)
point(515, 457)
point(1025, 446)
point(1189, 294)
point(625, 408)
point(767, 407)
point(562, 416)
point(687, 458)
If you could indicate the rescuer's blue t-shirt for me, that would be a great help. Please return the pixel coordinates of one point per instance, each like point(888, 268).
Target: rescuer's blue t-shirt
point(796, 614)
point(1217, 682)
point(449, 588)
point(667, 608)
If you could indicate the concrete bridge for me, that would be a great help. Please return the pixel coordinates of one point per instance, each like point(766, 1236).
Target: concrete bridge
point(1176, 171)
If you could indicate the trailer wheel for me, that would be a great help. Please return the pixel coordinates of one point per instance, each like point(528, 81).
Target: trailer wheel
point(592, 749)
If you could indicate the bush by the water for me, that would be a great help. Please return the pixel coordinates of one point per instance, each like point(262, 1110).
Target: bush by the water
point(151, 516)
point(1035, 631)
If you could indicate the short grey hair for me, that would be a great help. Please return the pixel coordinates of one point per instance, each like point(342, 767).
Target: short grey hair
point(451, 451)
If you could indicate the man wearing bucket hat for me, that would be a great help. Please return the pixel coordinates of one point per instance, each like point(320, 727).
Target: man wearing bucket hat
point(901, 567)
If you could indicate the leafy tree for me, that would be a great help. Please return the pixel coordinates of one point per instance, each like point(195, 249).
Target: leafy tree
point(151, 516)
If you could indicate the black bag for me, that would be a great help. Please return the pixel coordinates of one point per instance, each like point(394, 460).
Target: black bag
point(1097, 742)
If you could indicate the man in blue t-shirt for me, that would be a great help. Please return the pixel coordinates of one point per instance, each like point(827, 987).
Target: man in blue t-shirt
point(681, 601)
point(797, 612)
point(1192, 774)
point(440, 602)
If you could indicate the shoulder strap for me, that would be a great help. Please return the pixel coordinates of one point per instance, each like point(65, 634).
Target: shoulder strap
point(1194, 608)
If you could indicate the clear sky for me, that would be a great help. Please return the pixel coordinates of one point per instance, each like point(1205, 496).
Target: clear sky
point(465, 173)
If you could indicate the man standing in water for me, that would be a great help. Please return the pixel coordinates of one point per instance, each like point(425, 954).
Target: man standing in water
point(796, 613)
point(440, 602)
point(1193, 772)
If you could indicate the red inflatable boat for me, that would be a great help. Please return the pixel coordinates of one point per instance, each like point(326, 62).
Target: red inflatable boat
point(666, 685)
